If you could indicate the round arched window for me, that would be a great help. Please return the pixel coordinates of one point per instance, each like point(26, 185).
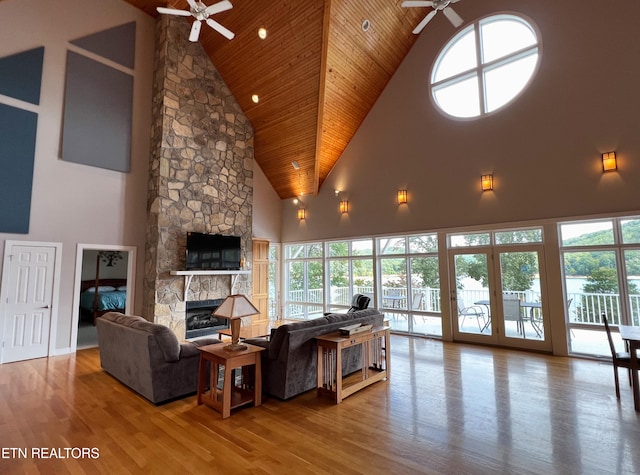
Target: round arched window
point(485, 66)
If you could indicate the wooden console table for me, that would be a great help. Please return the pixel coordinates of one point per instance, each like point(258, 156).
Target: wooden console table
point(375, 359)
point(232, 394)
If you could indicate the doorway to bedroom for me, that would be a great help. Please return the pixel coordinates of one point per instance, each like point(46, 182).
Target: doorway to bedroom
point(104, 283)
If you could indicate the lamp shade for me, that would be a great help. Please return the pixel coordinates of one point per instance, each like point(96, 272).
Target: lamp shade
point(487, 182)
point(609, 162)
point(233, 308)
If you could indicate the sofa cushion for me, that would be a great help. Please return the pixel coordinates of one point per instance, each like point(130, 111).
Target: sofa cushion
point(278, 337)
point(166, 339)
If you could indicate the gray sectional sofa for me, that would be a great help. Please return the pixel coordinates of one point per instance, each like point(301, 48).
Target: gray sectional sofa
point(289, 364)
point(148, 357)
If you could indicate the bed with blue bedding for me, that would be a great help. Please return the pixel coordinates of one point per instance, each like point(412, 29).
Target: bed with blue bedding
point(110, 295)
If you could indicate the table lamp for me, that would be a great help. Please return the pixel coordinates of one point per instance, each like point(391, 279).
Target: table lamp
point(233, 308)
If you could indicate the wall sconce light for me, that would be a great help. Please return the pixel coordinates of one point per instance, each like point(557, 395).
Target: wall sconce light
point(302, 214)
point(344, 206)
point(487, 182)
point(609, 162)
point(402, 196)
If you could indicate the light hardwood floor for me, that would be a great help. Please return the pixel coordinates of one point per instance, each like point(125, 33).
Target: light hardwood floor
point(448, 408)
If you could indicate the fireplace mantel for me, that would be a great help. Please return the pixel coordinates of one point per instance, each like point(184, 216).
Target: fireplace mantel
point(188, 276)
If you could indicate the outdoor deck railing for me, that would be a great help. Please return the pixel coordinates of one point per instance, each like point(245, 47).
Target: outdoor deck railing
point(583, 308)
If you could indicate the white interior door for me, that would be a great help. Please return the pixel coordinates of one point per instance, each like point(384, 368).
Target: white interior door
point(28, 292)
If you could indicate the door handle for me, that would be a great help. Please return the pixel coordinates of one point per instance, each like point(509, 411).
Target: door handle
point(46, 306)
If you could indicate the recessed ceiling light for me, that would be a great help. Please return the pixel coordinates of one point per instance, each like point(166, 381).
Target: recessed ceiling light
point(255, 98)
point(262, 33)
point(365, 25)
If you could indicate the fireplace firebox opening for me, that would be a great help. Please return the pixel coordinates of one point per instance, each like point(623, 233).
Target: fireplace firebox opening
point(199, 319)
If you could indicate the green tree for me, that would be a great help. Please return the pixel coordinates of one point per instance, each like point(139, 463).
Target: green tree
point(603, 280)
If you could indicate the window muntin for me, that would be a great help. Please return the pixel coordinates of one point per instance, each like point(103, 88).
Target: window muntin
point(460, 98)
point(458, 57)
point(504, 83)
point(509, 51)
point(493, 32)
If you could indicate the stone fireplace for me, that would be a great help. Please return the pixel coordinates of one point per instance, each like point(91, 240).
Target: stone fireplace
point(200, 174)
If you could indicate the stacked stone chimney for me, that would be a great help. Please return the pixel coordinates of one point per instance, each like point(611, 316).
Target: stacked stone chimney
point(200, 173)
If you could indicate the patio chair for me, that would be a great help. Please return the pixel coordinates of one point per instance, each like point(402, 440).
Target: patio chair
point(416, 303)
point(619, 359)
point(359, 302)
point(513, 312)
point(474, 311)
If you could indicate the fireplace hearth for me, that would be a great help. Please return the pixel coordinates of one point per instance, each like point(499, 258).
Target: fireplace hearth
point(199, 320)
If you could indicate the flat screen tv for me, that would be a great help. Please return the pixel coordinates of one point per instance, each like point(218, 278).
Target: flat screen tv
point(212, 252)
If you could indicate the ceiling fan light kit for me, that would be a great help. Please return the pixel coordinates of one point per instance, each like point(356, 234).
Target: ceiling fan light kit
point(437, 5)
point(202, 12)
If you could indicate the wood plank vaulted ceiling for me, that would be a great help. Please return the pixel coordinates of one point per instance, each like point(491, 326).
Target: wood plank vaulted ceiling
point(317, 75)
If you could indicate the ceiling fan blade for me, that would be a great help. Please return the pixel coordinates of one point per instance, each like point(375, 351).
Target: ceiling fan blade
point(173, 11)
point(228, 34)
point(195, 31)
point(416, 3)
point(193, 4)
point(453, 17)
point(424, 22)
point(218, 7)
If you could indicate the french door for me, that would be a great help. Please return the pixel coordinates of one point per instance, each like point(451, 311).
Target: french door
point(499, 296)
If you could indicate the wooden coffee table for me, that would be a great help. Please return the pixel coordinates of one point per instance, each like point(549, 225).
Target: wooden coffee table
point(235, 392)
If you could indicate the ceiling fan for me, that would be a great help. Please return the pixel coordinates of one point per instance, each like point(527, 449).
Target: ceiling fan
point(201, 13)
point(438, 5)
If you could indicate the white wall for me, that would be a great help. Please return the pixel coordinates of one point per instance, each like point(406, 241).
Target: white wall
point(74, 203)
point(267, 209)
point(544, 149)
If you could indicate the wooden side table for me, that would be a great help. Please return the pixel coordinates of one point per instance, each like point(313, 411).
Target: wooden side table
point(234, 393)
point(375, 359)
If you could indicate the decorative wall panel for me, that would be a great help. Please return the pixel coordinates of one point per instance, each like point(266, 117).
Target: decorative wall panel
point(17, 151)
point(97, 114)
